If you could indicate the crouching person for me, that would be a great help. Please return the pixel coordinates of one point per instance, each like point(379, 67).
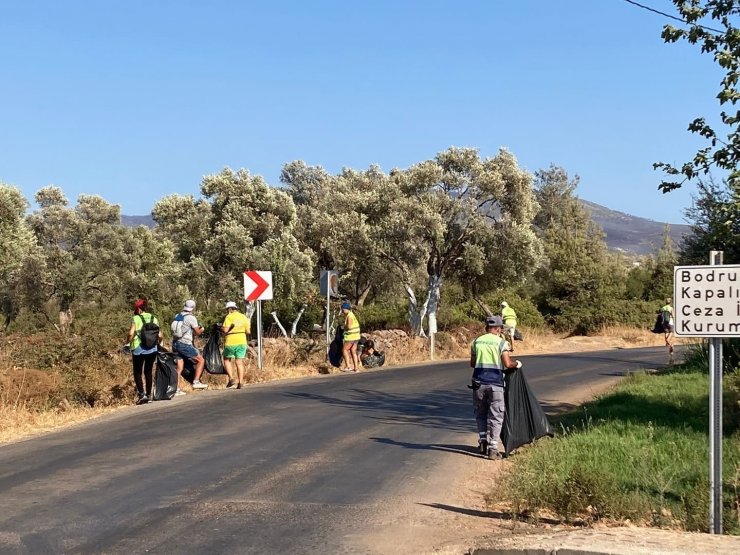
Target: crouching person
point(489, 357)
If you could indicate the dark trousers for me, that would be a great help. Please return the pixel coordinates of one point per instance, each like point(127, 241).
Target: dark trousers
point(143, 364)
point(489, 408)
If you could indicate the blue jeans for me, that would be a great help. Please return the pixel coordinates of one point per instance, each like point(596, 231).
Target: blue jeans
point(184, 350)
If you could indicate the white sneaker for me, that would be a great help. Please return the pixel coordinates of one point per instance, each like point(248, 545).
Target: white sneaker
point(199, 385)
point(179, 392)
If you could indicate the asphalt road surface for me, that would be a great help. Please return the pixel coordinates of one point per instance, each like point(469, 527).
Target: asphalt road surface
point(291, 467)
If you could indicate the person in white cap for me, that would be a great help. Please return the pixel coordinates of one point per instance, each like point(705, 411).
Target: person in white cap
point(509, 317)
point(184, 327)
point(236, 330)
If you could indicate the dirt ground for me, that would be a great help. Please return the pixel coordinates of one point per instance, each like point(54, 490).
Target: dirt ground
point(438, 515)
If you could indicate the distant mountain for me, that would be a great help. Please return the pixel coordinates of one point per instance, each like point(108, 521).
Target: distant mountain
point(630, 233)
point(135, 221)
point(623, 232)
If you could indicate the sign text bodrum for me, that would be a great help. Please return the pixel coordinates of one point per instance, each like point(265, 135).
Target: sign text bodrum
point(706, 301)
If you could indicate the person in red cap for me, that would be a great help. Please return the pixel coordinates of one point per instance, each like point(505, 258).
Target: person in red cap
point(143, 353)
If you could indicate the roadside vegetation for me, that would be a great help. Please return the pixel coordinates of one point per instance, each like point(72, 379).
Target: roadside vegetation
point(637, 454)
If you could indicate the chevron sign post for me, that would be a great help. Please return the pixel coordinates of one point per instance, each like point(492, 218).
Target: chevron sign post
point(258, 287)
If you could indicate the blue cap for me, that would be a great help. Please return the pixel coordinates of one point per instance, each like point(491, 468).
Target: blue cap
point(494, 321)
point(346, 305)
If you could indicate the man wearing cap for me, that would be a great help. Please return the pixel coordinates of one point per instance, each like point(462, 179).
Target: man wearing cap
point(489, 357)
point(509, 317)
point(350, 337)
point(184, 327)
point(236, 331)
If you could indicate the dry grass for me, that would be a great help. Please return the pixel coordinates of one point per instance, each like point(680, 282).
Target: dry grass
point(33, 401)
point(17, 422)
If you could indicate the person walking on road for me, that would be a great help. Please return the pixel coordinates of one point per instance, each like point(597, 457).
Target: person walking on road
point(668, 324)
point(351, 337)
point(236, 330)
point(509, 317)
point(184, 327)
point(489, 358)
point(143, 349)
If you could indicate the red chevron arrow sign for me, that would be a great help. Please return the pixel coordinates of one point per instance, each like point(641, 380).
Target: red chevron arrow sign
point(257, 285)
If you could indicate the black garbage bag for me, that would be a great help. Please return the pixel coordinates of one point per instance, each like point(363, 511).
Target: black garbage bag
point(335, 348)
point(524, 420)
point(518, 335)
point(375, 360)
point(212, 353)
point(165, 378)
point(659, 326)
point(188, 370)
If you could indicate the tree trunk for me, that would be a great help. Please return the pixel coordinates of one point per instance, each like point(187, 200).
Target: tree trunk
point(433, 291)
point(415, 313)
point(363, 295)
point(65, 320)
point(483, 305)
point(428, 308)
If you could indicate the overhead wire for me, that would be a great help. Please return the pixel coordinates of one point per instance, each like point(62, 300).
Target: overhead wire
point(675, 18)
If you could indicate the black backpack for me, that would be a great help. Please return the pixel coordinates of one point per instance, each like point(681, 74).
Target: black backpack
point(149, 333)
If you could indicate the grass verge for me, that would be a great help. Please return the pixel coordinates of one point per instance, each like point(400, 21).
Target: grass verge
point(639, 454)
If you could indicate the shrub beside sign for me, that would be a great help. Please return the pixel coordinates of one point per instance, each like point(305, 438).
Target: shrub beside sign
point(706, 301)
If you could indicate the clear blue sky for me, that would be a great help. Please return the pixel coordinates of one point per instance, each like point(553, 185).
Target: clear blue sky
point(134, 100)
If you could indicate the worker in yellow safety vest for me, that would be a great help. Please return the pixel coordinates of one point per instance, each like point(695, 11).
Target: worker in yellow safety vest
point(350, 337)
point(509, 317)
point(489, 358)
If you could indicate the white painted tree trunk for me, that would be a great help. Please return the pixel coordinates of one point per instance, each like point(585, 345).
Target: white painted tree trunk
point(429, 307)
point(433, 293)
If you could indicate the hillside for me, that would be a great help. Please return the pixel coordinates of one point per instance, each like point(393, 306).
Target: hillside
point(631, 233)
point(623, 231)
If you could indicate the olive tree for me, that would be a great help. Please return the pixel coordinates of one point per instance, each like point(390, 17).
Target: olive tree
point(711, 24)
point(240, 223)
point(456, 213)
point(22, 260)
point(335, 222)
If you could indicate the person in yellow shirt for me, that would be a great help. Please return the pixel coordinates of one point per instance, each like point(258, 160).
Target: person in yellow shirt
point(236, 331)
point(351, 337)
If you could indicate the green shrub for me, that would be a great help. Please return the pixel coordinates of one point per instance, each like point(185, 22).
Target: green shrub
point(382, 316)
point(638, 453)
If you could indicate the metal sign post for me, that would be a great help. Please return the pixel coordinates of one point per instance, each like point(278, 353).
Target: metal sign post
point(328, 285)
point(715, 422)
point(707, 304)
point(259, 335)
point(258, 287)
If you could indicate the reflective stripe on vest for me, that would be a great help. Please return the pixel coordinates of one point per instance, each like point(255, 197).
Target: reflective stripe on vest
point(487, 350)
point(352, 333)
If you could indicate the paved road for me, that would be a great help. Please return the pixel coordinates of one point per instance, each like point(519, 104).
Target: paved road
point(291, 467)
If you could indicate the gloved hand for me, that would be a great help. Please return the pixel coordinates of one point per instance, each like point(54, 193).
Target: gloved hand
point(126, 349)
point(518, 364)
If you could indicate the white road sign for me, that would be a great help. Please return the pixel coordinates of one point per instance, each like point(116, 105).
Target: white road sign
point(257, 285)
point(706, 301)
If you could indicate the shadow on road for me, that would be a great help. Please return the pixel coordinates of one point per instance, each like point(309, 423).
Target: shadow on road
point(441, 409)
point(461, 449)
point(487, 514)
